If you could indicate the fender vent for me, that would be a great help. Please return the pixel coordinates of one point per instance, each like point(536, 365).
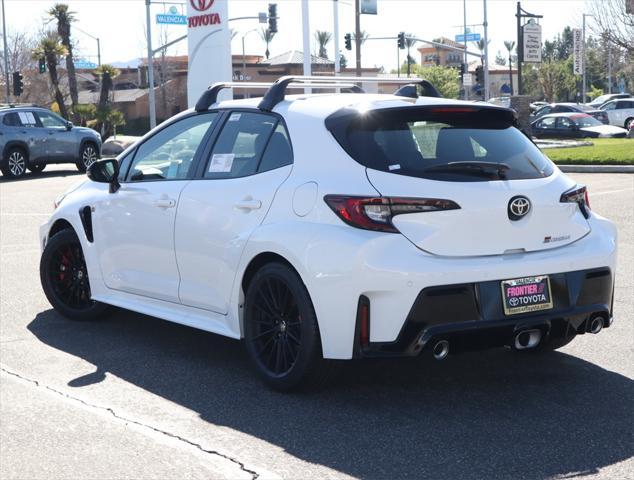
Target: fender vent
point(85, 214)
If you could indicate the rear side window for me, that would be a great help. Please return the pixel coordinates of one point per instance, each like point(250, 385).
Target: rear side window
point(240, 145)
point(278, 152)
point(450, 144)
point(12, 120)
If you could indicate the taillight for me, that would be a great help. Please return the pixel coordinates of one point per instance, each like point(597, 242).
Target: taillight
point(376, 213)
point(579, 195)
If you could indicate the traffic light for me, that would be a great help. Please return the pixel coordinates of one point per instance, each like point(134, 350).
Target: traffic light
point(42, 65)
point(18, 85)
point(348, 40)
point(480, 75)
point(401, 40)
point(273, 17)
point(463, 69)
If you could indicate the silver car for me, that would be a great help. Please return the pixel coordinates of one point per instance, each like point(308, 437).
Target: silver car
point(33, 137)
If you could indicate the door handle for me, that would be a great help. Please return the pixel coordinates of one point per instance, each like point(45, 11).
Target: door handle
point(248, 204)
point(165, 203)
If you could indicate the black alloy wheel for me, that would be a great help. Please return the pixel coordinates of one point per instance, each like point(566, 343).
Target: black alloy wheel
point(14, 165)
point(280, 329)
point(64, 278)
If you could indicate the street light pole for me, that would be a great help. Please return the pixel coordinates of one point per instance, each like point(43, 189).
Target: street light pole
point(486, 54)
point(335, 15)
point(244, 62)
point(94, 38)
point(357, 36)
point(150, 67)
point(466, 63)
point(6, 55)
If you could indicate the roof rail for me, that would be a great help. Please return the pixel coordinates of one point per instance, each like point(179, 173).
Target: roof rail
point(410, 90)
point(15, 105)
point(276, 93)
point(210, 96)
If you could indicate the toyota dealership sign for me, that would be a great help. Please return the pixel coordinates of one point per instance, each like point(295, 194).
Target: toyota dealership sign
point(209, 42)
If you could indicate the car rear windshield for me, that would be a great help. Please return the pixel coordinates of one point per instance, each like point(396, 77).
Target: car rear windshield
point(440, 143)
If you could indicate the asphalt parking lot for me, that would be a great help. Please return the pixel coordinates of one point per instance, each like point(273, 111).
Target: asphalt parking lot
point(137, 397)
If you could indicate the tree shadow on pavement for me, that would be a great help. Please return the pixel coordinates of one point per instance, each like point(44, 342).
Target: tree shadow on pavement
point(493, 414)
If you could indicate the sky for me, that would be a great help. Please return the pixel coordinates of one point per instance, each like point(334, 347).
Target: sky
point(120, 24)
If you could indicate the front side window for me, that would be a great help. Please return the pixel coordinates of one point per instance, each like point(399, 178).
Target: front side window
point(240, 145)
point(445, 143)
point(50, 120)
point(609, 106)
point(548, 122)
point(169, 154)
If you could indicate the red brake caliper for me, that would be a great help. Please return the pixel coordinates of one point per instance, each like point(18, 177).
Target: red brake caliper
point(64, 264)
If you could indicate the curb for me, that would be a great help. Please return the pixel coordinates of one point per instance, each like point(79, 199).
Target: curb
point(597, 168)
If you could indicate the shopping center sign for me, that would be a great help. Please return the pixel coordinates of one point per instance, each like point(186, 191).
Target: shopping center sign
point(209, 41)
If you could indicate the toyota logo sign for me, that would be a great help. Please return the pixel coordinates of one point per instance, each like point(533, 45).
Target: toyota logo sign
point(518, 207)
point(201, 5)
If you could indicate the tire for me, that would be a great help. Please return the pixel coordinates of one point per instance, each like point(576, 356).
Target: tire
point(281, 332)
point(15, 163)
point(88, 155)
point(37, 168)
point(65, 280)
point(628, 123)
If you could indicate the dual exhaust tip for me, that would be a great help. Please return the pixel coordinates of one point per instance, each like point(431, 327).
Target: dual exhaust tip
point(524, 340)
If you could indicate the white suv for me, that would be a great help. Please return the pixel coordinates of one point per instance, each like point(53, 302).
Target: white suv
point(620, 112)
point(336, 226)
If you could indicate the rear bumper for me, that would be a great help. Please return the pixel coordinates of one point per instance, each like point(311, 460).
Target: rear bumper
point(470, 316)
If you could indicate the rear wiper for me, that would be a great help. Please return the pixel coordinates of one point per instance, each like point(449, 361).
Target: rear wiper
point(478, 168)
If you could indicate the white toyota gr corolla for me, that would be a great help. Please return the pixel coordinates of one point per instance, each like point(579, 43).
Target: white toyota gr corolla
point(336, 226)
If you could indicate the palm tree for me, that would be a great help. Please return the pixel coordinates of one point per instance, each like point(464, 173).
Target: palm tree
point(409, 43)
point(510, 45)
point(50, 48)
point(267, 37)
point(107, 73)
point(60, 13)
point(323, 38)
point(481, 46)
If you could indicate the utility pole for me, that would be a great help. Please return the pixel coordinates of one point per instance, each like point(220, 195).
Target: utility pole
point(306, 42)
point(6, 55)
point(335, 15)
point(150, 66)
point(609, 64)
point(466, 64)
point(486, 54)
point(357, 35)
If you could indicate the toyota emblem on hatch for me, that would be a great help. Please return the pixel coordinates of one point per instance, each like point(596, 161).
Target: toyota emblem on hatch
point(519, 207)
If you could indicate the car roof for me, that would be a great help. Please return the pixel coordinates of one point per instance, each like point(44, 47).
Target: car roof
point(323, 104)
point(19, 108)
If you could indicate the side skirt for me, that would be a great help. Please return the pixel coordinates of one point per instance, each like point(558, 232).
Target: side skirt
point(189, 316)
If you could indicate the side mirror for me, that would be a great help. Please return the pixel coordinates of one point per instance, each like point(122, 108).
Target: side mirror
point(69, 125)
point(105, 171)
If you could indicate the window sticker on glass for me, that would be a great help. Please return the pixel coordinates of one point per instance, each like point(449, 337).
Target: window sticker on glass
point(221, 162)
point(27, 118)
point(234, 117)
point(394, 167)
